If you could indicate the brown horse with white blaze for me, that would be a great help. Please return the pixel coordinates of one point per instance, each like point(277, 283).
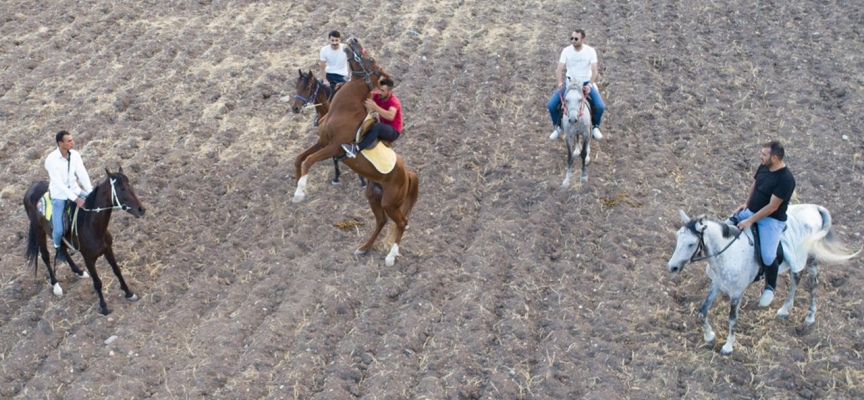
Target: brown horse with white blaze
point(390, 195)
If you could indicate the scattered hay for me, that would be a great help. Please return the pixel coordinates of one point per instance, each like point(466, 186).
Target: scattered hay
point(348, 224)
point(621, 198)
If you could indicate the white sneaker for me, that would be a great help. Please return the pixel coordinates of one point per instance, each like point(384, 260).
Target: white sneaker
point(596, 133)
point(555, 133)
point(767, 298)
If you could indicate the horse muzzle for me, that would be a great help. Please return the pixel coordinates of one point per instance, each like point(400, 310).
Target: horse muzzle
point(137, 212)
point(675, 267)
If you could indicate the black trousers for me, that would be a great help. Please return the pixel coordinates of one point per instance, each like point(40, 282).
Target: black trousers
point(378, 131)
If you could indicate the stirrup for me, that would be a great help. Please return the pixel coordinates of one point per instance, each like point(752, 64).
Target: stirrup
point(350, 150)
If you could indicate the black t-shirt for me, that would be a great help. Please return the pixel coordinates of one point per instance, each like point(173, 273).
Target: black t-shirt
point(779, 183)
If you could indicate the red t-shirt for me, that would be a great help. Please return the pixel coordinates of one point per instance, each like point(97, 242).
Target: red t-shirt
point(391, 101)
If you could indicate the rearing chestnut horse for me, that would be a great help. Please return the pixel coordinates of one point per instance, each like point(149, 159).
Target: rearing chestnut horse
point(310, 91)
point(392, 194)
point(89, 231)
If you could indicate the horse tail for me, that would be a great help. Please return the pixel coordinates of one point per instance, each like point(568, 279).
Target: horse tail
point(32, 252)
point(413, 192)
point(823, 246)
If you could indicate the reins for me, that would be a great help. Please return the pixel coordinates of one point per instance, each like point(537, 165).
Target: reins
point(366, 74)
point(312, 97)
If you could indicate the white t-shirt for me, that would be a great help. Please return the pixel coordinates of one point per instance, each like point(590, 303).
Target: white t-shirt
point(578, 63)
point(337, 61)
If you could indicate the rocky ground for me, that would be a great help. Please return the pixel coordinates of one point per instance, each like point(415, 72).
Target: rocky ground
point(507, 286)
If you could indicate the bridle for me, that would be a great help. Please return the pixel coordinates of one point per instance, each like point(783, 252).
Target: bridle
point(115, 202)
point(366, 73)
point(312, 96)
point(700, 248)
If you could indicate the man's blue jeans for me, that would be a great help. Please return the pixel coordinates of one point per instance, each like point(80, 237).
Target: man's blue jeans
point(57, 206)
point(770, 230)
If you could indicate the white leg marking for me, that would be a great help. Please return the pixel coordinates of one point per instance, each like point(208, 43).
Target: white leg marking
point(391, 257)
point(359, 252)
point(298, 194)
point(58, 291)
point(727, 348)
point(84, 275)
point(709, 336)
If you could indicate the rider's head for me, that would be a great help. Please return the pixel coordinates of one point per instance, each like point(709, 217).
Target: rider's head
point(772, 152)
point(334, 37)
point(577, 37)
point(385, 88)
point(64, 140)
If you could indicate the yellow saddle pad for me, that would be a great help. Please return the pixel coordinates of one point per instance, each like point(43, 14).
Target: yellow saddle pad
point(45, 207)
point(382, 157)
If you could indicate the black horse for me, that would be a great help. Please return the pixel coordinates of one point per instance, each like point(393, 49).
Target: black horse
point(89, 231)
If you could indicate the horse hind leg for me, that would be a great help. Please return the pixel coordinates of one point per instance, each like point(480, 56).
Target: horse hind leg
point(336, 174)
point(395, 213)
point(813, 279)
point(586, 159)
point(783, 312)
point(373, 195)
point(78, 271)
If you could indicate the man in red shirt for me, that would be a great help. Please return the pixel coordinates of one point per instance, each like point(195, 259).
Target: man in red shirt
point(389, 108)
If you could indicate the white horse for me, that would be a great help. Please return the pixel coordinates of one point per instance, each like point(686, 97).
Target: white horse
point(576, 122)
point(732, 263)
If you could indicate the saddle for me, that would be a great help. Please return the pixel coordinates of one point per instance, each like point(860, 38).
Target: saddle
point(758, 250)
point(46, 209)
point(371, 119)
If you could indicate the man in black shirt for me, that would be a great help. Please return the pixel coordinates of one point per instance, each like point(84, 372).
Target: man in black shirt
point(766, 207)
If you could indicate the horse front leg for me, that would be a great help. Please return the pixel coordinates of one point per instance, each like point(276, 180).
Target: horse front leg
point(733, 319)
point(707, 332)
point(373, 195)
point(46, 259)
point(586, 157)
point(109, 256)
point(310, 160)
point(568, 141)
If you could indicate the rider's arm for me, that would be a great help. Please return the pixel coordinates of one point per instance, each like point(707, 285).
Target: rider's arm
point(323, 65)
point(559, 74)
point(593, 73)
point(769, 209)
point(387, 114)
point(55, 170)
point(81, 173)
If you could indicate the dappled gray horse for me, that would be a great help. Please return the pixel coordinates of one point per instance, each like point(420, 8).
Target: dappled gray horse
point(732, 263)
point(576, 122)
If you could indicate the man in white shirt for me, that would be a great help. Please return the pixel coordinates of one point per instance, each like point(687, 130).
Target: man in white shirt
point(333, 60)
point(580, 61)
point(65, 169)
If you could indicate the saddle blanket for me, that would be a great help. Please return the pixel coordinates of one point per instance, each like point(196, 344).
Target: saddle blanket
point(44, 206)
point(382, 157)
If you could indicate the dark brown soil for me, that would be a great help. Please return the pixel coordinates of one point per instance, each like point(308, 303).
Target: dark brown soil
point(507, 285)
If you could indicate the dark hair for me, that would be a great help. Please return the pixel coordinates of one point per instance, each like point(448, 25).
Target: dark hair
point(581, 32)
point(386, 82)
point(775, 149)
point(335, 34)
point(60, 135)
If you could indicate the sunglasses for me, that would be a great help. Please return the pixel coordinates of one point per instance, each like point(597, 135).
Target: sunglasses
point(574, 38)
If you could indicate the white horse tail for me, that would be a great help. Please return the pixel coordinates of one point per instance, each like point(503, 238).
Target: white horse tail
point(823, 246)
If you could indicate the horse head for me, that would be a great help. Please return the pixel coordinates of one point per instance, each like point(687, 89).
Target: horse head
point(123, 195)
point(306, 90)
point(362, 64)
point(574, 99)
point(689, 242)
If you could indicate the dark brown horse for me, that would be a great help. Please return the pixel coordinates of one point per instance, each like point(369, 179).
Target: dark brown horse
point(391, 195)
point(89, 232)
point(310, 91)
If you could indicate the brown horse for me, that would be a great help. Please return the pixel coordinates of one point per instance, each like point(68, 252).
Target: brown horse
point(310, 91)
point(89, 232)
point(391, 195)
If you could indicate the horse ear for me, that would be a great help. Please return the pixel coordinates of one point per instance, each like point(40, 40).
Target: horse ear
point(107, 172)
point(700, 225)
point(121, 170)
point(299, 71)
point(684, 216)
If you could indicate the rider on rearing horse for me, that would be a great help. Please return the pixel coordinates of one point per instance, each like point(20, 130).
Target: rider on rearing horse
point(389, 108)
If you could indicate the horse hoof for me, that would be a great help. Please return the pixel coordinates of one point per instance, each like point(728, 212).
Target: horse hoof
point(726, 350)
point(105, 311)
point(565, 185)
point(334, 182)
point(359, 252)
point(584, 179)
point(782, 315)
point(58, 291)
point(810, 320)
point(390, 261)
point(134, 297)
point(83, 275)
point(298, 198)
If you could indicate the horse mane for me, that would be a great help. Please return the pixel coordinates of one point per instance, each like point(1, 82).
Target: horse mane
point(728, 231)
point(90, 200)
